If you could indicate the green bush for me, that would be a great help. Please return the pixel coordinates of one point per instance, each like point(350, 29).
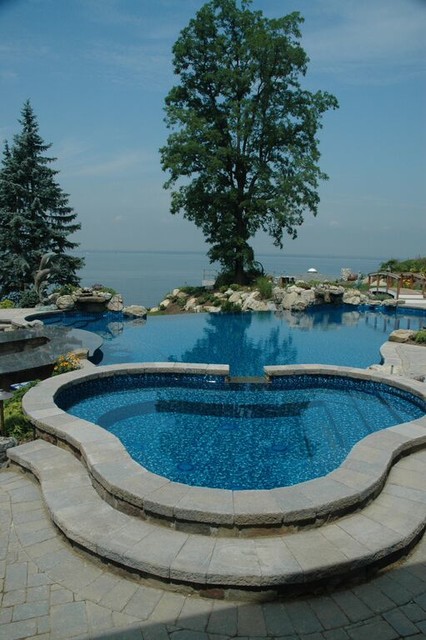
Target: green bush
point(16, 423)
point(420, 337)
point(230, 307)
point(264, 286)
point(29, 298)
point(66, 290)
point(6, 304)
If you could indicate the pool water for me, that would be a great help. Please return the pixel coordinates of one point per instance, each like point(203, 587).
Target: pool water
point(345, 336)
point(205, 432)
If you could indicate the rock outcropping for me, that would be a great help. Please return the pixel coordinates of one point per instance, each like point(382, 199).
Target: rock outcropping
point(88, 299)
point(295, 297)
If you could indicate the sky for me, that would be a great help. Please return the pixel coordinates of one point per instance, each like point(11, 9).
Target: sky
point(97, 73)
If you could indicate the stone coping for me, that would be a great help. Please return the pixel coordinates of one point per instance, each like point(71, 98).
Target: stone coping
point(130, 487)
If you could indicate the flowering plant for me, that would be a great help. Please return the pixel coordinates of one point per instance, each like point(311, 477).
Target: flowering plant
point(65, 363)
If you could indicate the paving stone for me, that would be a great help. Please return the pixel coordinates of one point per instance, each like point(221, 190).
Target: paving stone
point(38, 593)
point(96, 589)
point(38, 579)
point(413, 612)
point(328, 613)
point(400, 622)
point(303, 618)
point(251, 620)
point(373, 598)
point(6, 615)
point(223, 619)
point(29, 610)
point(168, 608)
point(121, 620)
point(421, 600)
point(12, 598)
point(43, 625)
point(60, 595)
point(118, 597)
point(68, 620)
point(379, 630)
point(422, 626)
point(16, 576)
point(155, 632)
point(75, 574)
point(28, 538)
point(277, 620)
point(195, 613)
point(335, 634)
point(188, 634)
point(129, 633)
point(143, 603)
point(409, 581)
point(29, 516)
point(393, 589)
point(99, 618)
point(23, 629)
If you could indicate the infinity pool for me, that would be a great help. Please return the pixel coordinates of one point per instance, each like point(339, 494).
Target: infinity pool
point(345, 336)
point(206, 432)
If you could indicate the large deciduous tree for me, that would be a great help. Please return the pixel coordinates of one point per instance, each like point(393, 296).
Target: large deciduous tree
point(35, 218)
point(244, 137)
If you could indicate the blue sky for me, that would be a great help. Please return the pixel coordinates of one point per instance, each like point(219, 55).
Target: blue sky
point(97, 72)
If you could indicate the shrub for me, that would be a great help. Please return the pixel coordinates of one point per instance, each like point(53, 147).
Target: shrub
point(68, 362)
point(16, 423)
point(230, 307)
point(110, 290)
point(6, 304)
point(420, 337)
point(264, 285)
point(66, 290)
point(29, 298)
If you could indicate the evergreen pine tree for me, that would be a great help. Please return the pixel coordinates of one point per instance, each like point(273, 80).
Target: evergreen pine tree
point(35, 218)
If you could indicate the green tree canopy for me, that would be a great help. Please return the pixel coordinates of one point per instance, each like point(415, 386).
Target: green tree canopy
point(35, 218)
point(244, 137)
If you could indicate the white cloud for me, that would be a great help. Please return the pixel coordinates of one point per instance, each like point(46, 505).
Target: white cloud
point(371, 39)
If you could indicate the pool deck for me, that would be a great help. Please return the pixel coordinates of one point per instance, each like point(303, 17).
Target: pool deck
point(51, 590)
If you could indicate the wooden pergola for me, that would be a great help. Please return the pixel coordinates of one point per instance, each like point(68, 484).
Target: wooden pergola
point(398, 281)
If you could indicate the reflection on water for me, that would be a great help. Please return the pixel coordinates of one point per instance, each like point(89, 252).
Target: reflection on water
point(249, 341)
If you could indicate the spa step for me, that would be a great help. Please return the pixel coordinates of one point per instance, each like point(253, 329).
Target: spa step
point(384, 531)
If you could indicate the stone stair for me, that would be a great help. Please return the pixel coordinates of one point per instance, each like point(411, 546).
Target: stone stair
point(255, 566)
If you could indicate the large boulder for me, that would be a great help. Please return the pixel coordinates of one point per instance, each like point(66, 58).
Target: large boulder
point(135, 311)
point(354, 297)
point(115, 303)
point(297, 298)
point(329, 293)
point(252, 302)
point(65, 303)
point(401, 335)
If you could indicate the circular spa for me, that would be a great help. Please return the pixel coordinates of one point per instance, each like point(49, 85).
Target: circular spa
point(207, 432)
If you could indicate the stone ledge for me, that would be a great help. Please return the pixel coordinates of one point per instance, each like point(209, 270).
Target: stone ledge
point(356, 544)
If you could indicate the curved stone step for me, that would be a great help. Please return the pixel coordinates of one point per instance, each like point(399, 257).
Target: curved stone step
point(383, 531)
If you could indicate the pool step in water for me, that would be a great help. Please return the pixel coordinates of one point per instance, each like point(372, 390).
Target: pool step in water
point(221, 567)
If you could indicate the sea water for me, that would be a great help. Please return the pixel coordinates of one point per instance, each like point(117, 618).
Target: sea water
point(145, 277)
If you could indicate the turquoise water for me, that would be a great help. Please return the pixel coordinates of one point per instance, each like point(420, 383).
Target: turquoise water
point(203, 432)
point(247, 342)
